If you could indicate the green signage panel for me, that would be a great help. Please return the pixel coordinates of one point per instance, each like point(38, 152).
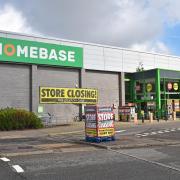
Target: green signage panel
point(33, 52)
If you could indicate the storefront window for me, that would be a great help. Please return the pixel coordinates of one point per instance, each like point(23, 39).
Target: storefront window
point(145, 89)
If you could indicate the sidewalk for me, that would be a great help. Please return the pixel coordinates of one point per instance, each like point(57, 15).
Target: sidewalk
point(68, 138)
point(74, 128)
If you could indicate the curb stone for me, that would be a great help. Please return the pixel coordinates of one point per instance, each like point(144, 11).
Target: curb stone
point(129, 146)
point(26, 153)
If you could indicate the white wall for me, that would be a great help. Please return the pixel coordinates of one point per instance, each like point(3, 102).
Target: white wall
point(107, 58)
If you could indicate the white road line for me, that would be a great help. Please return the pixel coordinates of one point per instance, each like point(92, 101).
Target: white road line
point(160, 132)
point(153, 133)
point(145, 134)
point(120, 131)
point(5, 159)
point(18, 168)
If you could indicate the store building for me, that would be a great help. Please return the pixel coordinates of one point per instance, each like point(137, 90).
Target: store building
point(35, 70)
point(156, 91)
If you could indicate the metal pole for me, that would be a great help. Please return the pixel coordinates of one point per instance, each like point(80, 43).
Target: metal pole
point(158, 94)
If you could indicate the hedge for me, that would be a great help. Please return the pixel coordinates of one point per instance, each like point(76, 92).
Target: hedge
point(12, 119)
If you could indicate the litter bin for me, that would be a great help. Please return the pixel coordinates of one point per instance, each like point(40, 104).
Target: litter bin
point(99, 123)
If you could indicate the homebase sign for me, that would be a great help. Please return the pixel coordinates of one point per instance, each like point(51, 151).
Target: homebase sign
point(14, 50)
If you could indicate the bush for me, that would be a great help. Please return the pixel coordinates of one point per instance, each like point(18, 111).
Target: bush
point(11, 119)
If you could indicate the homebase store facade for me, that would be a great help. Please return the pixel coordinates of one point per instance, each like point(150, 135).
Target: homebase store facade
point(156, 91)
point(62, 76)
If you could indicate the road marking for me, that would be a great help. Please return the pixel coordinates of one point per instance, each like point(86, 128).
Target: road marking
point(152, 133)
point(172, 130)
point(18, 168)
point(5, 159)
point(145, 134)
point(158, 132)
point(120, 131)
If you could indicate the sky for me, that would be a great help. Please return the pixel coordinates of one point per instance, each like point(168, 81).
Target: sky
point(144, 25)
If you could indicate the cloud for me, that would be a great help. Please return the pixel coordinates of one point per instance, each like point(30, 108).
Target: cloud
point(133, 22)
point(116, 22)
point(137, 24)
point(155, 47)
point(168, 9)
point(13, 20)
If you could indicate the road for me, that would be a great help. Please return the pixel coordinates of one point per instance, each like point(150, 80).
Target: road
point(150, 163)
point(103, 164)
point(7, 172)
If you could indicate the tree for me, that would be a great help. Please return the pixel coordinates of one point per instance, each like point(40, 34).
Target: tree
point(140, 67)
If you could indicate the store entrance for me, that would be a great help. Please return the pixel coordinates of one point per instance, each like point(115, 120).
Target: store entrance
point(146, 108)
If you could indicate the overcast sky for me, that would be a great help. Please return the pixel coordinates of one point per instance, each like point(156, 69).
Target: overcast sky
point(146, 25)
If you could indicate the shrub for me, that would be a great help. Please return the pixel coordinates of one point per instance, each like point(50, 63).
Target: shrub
point(11, 119)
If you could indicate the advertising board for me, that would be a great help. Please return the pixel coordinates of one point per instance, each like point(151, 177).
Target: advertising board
point(90, 123)
point(99, 121)
point(51, 95)
point(105, 124)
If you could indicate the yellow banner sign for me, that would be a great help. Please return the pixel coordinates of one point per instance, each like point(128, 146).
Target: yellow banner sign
point(106, 132)
point(91, 132)
point(50, 95)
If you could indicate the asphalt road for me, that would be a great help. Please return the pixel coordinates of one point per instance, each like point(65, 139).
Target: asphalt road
point(6, 172)
point(102, 164)
point(147, 128)
point(152, 163)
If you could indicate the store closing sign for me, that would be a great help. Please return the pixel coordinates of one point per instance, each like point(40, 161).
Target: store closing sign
point(68, 95)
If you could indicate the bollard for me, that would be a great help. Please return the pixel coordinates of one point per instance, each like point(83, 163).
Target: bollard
point(142, 119)
point(151, 117)
point(135, 119)
point(158, 119)
point(157, 116)
point(142, 116)
point(174, 115)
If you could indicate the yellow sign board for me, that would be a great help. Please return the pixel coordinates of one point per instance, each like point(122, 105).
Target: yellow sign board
point(175, 86)
point(51, 95)
point(91, 132)
point(149, 87)
point(106, 132)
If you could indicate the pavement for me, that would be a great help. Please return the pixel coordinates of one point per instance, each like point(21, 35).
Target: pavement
point(73, 128)
point(68, 138)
